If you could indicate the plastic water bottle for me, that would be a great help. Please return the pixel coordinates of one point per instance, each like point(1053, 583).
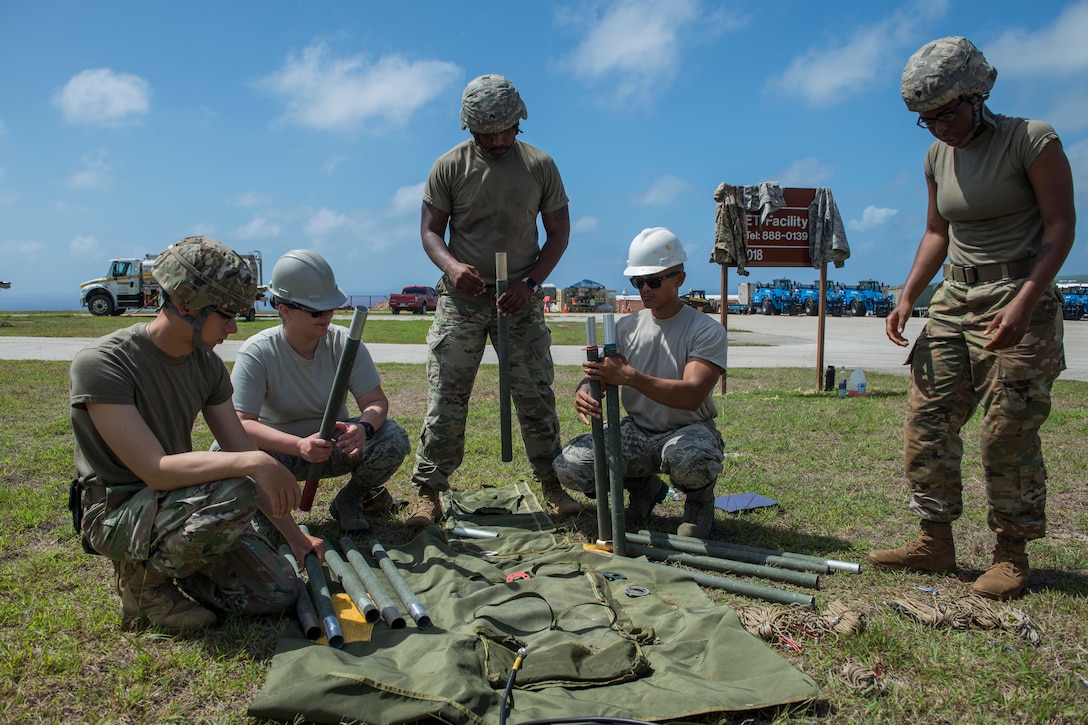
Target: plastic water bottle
point(857, 382)
point(842, 382)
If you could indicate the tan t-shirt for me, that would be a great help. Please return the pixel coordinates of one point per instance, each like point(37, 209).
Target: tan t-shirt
point(662, 348)
point(493, 203)
point(984, 192)
point(289, 392)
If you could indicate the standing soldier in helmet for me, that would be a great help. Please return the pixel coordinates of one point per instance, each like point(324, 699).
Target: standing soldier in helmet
point(669, 359)
point(1001, 213)
point(282, 377)
point(171, 519)
point(489, 191)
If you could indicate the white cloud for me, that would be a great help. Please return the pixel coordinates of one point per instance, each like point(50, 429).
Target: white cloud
point(258, 228)
point(633, 47)
point(827, 74)
point(102, 97)
point(84, 246)
point(21, 248)
point(806, 172)
point(342, 94)
point(331, 163)
point(873, 216)
point(662, 192)
point(408, 199)
point(252, 200)
point(1070, 110)
point(585, 225)
point(324, 223)
point(1057, 48)
point(95, 173)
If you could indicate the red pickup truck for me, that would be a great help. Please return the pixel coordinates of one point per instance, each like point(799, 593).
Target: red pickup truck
point(414, 298)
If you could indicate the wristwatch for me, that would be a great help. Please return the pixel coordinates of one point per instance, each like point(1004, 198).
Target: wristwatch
point(530, 282)
point(368, 429)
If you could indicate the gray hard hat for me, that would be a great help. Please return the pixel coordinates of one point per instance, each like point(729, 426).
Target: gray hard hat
point(303, 277)
point(943, 70)
point(491, 104)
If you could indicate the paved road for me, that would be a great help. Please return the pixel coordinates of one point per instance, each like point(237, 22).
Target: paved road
point(755, 342)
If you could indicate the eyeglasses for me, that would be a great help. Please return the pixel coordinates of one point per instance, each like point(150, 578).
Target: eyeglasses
point(228, 316)
point(313, 313)
point(947, 117)
point(652, 282)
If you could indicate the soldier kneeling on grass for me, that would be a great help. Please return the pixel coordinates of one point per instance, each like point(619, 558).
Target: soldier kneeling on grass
point(175, 521)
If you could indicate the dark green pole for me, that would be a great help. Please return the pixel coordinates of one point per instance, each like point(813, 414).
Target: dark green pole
point(502, 325)
point(319, 587)
point(600, 461)
point(714, 563)
point(304, 607)
point(614, 445)
point(336, 401)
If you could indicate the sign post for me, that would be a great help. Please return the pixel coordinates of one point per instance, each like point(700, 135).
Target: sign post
point(782, 240)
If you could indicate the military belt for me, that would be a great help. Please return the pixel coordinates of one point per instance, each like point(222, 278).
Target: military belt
point(977, 274)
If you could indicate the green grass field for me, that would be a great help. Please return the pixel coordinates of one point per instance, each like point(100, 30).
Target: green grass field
point(834, 465)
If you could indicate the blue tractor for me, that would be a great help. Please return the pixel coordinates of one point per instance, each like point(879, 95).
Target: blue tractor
point(867, 297)
point(808, 295)
point(1074, 300)
point(774, 299)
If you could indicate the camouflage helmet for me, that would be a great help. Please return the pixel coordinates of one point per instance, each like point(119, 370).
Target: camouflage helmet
point(943, 70)
point(491, 104)
point(201, 272)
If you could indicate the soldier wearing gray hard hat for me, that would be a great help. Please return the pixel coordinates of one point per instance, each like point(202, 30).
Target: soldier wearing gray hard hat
point(488, 192)
point(999, 226)
point(282, 381)
point(169, 518)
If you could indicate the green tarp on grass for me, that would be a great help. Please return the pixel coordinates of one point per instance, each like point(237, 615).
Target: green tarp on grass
point(592, 650)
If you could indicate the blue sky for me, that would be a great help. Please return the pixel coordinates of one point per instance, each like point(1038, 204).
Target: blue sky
point(273, 125)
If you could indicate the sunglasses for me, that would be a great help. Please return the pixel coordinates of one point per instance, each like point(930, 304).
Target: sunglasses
point(313, 313)
point(652, 282)
point(225, 315)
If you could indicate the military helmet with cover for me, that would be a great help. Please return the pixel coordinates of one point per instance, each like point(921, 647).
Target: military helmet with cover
point(200, 272)
point(303, 277)
point(943, 70)
point(491, 104)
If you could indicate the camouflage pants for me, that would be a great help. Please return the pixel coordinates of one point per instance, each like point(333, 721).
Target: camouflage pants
point(456, 340)
point(951, 375)
point(379, 459)
point(691, 456)
point(200, 536)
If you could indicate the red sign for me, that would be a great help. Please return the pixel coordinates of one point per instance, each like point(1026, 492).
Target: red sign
point(782, 239)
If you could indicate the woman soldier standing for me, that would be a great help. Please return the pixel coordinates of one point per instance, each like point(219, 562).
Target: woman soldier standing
point(1001, 212)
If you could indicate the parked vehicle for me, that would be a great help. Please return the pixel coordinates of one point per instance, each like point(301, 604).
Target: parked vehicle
point(129, 285)
point(1075, 300)
point(774, 299)
point(697, 298)
point(867, 297)
point(417, 299)
point(809, 297)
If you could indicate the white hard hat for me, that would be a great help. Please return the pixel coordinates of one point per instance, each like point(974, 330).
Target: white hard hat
point(654, 250)
point(302, 276)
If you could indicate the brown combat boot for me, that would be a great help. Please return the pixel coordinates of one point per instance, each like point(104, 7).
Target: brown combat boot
point(559, 502)
point(428, 508)
point(155, 598)
point(698, 518)
point(933, 551)
point(1008, 575)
